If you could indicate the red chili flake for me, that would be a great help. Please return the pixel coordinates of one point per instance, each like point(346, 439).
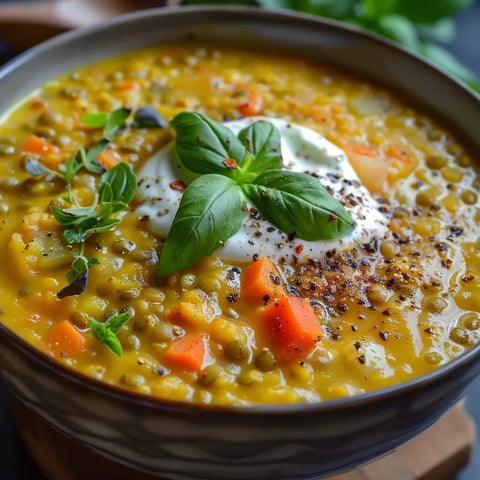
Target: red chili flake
point(230, 163)
point(178, 185)
point(332, 218)
point(299, 248)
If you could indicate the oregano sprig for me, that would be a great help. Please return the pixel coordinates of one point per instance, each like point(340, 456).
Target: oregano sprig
point(115, 191)
point(235, 170)
point(116, 188)
point(107, 331)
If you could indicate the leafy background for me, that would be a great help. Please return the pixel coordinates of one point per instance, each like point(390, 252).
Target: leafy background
point(423, 26)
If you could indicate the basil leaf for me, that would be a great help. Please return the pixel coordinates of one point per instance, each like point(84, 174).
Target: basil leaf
point(115, 122)
point(96, 119)
point(443, 31)
point(399, 29)
point(203, 145)
point(122, 182)
point(430, 11)
point(148, 117)
point(326, 8)
point(444, 59)
point(262, 141)
point(210, 212)
point(298, 203)
point(377, 8)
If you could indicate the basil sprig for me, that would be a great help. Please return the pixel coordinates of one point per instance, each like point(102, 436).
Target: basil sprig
point(233, 171)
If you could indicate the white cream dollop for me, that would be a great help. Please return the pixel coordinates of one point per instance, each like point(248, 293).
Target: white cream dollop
point(303, 150)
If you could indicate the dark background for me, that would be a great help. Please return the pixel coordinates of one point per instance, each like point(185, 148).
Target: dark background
point(15, 463)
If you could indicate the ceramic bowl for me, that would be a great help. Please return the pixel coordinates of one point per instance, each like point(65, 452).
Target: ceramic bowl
point(185, 442)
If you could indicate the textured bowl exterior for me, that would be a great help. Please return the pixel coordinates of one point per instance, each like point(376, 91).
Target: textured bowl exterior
point(186, 442)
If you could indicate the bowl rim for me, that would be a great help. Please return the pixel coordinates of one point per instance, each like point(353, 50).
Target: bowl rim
point(107, 390)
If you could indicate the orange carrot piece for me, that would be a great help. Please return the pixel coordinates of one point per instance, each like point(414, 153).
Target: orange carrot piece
point(262, 282)
point(38, 146)
point(109, 158)
point(360, 149)
point(253, 103)
point(187, 353)
point(64, 338)
point(293, 326)
point(128, 85)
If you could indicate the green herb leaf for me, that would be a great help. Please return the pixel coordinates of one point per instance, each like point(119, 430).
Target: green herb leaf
point(446, 60)
point(116, 322)
point(377, 8)
point(95, 119)
point(430, 11)
point(106, 331)
point(298, 203)
point(204, 145)
point(80, 265)
point(210, 212)
point(262, 141)
point(122, 182)
point(399, 29)
point(116, 122)
point(442, 31)
point(89, 157)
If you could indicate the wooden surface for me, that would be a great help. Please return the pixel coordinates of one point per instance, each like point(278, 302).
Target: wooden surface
point(436, 454)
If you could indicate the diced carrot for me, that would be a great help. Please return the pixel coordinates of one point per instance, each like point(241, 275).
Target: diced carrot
point(262, 282)
point(64, 338)
point(188, 352)
point(38, 146)
point(293, 326)
point(109, 158)
point(128, 85)
point(252, 104)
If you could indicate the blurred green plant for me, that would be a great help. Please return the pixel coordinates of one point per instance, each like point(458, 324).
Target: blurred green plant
point(423, 26)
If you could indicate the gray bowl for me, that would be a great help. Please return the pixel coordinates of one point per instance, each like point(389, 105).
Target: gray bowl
point(182, 441)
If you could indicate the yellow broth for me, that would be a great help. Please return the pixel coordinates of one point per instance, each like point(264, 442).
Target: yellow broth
point(391, 310)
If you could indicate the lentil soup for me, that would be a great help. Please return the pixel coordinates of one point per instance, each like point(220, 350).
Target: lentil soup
point(382, 311)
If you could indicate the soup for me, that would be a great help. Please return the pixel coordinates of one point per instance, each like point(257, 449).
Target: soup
point(386, 296)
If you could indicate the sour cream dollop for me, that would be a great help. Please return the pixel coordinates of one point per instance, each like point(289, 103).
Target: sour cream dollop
point(303, 150)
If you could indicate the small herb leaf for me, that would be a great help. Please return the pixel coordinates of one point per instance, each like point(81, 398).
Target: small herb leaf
point(89, 158)
point(210, 212)
point(116, 322)
point(122, 182)
point(203, 145)
point(95, 119)
point(115, 122)
point(106, 332)
point(262, 141)
point(298, 203)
